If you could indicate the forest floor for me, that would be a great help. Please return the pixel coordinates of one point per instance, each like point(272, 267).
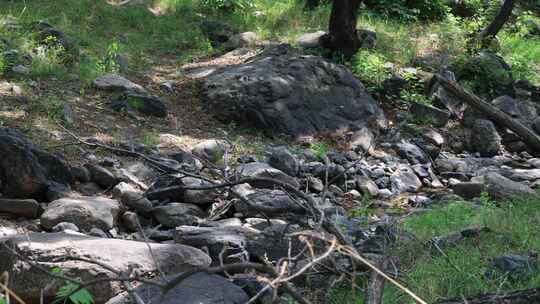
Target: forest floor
point(159, 41)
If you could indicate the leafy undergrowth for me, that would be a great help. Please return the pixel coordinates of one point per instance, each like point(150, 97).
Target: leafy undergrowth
point(461, 270)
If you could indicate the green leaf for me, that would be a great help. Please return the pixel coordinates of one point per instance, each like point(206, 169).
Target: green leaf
point(82, 296)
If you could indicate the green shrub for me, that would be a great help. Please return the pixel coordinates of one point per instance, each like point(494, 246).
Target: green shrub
point(410, 10)
point(369, 67)
point(485, 74)
point(227, 5)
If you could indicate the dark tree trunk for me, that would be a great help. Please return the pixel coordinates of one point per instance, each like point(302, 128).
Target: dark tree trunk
point(342, 36)
point(496, 25)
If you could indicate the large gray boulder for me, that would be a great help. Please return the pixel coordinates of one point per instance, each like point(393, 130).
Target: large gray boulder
point(499, 187)
point(485, 139)
point(210, 289)
point(26, 171)
point(85, 212)
point(176, 214)
point(265, 171)
point(265, 202)
point(242, 242)
point(296, 95)
point(55, 250)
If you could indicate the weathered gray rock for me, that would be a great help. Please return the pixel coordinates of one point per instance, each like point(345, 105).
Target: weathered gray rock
point(310, 40)
point(212, 150)
point(245, 39)
point(141, 102)
point(28, 208)
point(367, 186)
point(26, 171)
point(433, 137)
point(362, 140)
point(131, 221)
point(523, 174)
point(469, 190)
point(121, 189)
point(271, 242)
point(484, 138)
point(50, 250)
point(211, 289)
point(265, 201)
point(80, 174)
point(137, 202)
point(263, 170)
point(101, 176)
point(515, 267)
point(500, 187)
point(315, 184)
point(412, 153)
point(436, 116)
point(113, 82)
point(405, 180)
point(282, 159)
point(85, 212)
point(296, 95)
point(198, 197)
point(176, 214)
point(63, 226)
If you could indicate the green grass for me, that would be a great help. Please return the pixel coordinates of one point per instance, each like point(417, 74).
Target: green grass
point(514, 229)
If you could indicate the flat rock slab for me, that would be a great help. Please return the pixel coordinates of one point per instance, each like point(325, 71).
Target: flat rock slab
point(53, 250)
point(200, 288)
point(113, 82)
point(85, 212)
point(281, 92)
point(264, 170)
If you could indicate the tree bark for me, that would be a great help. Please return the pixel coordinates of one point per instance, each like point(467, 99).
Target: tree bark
point(528, 136)
point(529, 296)
point(342, 36)
point(496, 25)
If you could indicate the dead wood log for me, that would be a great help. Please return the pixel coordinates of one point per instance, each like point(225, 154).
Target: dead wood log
point(528, 136)
point(375, 287)
point(529, 296)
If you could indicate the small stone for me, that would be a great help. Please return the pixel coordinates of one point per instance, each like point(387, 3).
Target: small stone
point(113, 82)
point(80, 174)
point(282, 159)
point(119, 190)
point(98, 233)
point(130, 221)
point(367, 186)
point(21, 70)
point(177, 214)
point(315, 184)
point(310, 40)
point(101, 176)
point(212, 150)
point(385, 193)
point(137, 202)
point(468, 190)
point(65, 226)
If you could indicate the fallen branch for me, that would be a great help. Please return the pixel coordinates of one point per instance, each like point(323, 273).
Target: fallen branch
point(527, 135)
